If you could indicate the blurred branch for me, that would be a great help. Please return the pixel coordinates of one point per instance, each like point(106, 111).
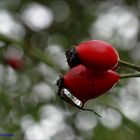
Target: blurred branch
point(8, 40)
point(34, 53)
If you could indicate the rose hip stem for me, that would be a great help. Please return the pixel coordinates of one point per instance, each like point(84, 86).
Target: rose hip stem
point(130, 75)
point(129, 65)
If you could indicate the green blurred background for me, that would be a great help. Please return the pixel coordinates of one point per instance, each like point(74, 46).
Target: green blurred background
point(37, 34)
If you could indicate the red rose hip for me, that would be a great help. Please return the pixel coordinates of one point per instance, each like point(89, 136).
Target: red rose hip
point(15, 63)
point(97, 55)
point(81, 84)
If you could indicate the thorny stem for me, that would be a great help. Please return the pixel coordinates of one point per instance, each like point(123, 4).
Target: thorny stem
point(129, 65)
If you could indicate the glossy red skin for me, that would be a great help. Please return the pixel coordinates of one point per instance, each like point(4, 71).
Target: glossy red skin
point(97, 55)
point(84, 84)
point(15, 63)
point(116, 67)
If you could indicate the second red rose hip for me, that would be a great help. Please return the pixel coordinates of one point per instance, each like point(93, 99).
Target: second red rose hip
point(81, 84)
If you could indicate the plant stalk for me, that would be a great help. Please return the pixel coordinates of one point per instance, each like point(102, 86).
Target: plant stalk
point(129, 65)
point(131, 75)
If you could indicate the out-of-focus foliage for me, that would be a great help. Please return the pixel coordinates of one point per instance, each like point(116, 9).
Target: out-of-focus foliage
point(38, 33)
